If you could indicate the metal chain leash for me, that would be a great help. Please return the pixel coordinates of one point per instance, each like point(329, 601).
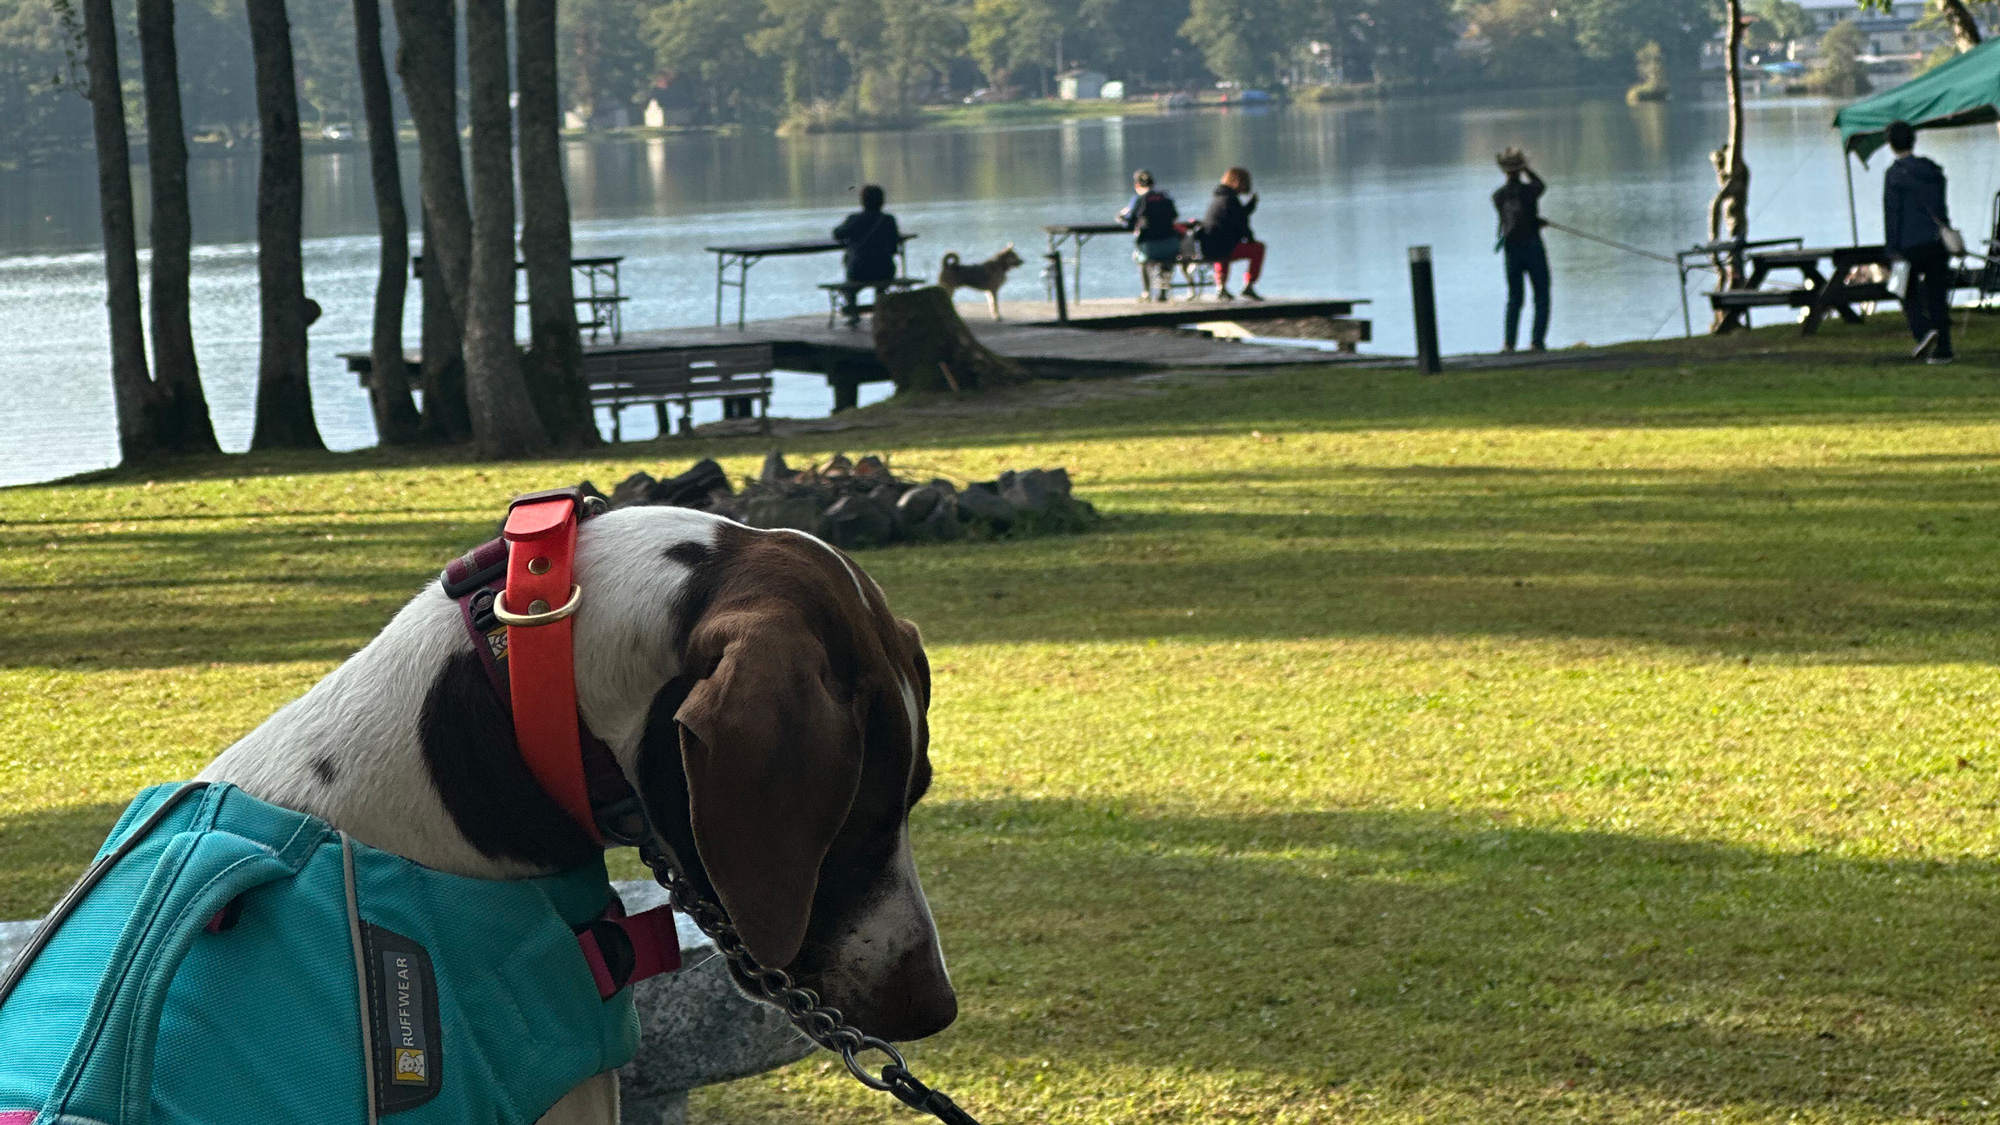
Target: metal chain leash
point(823, 1025)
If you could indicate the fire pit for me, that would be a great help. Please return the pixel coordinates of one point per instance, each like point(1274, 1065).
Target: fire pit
point(856, 504)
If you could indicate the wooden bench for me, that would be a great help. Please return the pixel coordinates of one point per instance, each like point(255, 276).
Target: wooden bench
point(738, 374)
point(842, 295)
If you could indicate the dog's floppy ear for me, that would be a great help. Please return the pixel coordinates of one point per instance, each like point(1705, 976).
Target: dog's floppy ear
point(773, 762)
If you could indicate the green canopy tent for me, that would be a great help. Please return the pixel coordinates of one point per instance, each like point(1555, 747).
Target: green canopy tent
point(1964, 91)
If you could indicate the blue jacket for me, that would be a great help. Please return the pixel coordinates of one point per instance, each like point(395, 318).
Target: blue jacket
point(211, 978)
point(1913, 204)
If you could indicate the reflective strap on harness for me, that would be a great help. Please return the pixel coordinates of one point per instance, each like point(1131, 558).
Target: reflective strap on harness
point(624, 949)
point(541, 556)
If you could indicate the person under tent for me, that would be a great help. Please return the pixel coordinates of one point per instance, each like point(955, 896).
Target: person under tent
point(1916, 224)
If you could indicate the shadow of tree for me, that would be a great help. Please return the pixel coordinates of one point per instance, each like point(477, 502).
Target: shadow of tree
point(1406, 950)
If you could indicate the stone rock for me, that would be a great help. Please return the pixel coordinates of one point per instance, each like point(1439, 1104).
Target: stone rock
point(801, 513)
point(692, 489)
point(942, 524)
point(944, 486)
point(916, 505)
point(871, 466)
point(1030, 492)
point(984, 503)
point(632, 490)
point(695, 1028)
point(859, 521)
point(775, 471)
point(839, 466)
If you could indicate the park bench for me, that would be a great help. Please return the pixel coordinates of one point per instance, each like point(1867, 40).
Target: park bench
point(738, 374)
point(841, 294)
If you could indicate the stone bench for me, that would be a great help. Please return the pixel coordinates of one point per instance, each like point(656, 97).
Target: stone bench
point(695, 1028)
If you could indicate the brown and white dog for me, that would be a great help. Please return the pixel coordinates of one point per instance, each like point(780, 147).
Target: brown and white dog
point(759, 695)
point(988, 275)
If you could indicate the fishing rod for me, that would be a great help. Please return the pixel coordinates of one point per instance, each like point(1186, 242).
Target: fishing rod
point(1613, 243)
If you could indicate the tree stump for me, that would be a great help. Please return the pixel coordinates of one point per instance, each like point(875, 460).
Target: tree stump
point(926, 347)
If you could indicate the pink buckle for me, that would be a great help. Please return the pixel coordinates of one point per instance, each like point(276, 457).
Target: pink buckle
point(656, 947)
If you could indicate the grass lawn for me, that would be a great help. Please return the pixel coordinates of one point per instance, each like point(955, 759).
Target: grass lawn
point(1606, 744)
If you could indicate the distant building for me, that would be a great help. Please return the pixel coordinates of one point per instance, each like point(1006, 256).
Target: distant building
point(1891, 37)
point(672, 101)
point(1080, 85)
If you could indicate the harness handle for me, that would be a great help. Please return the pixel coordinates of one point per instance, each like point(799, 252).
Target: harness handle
point(108, 1075)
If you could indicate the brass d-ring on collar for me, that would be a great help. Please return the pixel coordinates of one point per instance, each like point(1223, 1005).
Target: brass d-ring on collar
point(546, 617)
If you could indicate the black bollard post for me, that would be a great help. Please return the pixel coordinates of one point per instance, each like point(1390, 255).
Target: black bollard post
point(1062, 299)
point(1423, 305)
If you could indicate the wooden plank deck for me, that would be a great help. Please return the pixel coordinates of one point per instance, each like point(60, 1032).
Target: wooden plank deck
point(1116, 313)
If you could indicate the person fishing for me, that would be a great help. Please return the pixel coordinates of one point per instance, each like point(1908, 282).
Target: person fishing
point(1518, 204)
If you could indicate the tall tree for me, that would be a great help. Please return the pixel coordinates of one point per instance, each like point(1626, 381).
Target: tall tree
point(284, 394)
point(131, 385)
point(1730, 209)
point(446, 417)
point(708, 41)
point(503, 418)
point(1240, 40)
point(181, 410)
point(427, 60)
point(396, 420)
point(553, 366)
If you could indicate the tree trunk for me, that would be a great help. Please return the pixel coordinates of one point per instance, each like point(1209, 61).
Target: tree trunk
point(131, 385)
point(926, 347)
point(284, 396)
point(445, 416)
point(427, 60)
point(396, 421)
point(1730, 208)
point(503, 419)
point(554, 364)
point(182, 410)
point(1964, 29)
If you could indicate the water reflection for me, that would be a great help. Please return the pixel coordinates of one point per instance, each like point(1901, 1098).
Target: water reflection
point(1345, 191)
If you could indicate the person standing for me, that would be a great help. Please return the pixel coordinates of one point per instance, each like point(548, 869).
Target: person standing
point(1156, 241)
point(871, 242)
point(1518, 203)
point(1914, 222)
point(1226, 235)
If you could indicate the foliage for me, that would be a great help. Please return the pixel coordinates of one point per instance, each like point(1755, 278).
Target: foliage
point(1535, 43)
point(1838, 71)
point(1607, 743)
point(1776, 23)
point(36, 102)
point(1652, 71)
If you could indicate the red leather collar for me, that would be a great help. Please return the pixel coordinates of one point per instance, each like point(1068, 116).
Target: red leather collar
point(536, 605)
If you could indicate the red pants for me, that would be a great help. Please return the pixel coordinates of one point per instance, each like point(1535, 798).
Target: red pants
point(1252, 252)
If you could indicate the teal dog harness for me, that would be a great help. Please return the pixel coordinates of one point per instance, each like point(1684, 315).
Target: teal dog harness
point(229, 962)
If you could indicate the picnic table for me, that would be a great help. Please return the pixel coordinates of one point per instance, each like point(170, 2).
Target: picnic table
point(1829, 285)
point(1081, 234)
point(743, 257)
point(599, 291)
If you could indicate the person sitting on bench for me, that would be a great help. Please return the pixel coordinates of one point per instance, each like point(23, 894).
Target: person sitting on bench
point(1226, 236)
point(872, 240)
point(1156, 241)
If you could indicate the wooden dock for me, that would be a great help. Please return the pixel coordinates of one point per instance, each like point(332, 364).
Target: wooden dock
point(1100, 339)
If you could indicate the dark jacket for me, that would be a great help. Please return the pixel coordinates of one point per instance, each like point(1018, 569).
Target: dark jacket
point(1520, 210)
point(1913, 206)
point(1226, 223)
point(1152, 215)
point(871, 239)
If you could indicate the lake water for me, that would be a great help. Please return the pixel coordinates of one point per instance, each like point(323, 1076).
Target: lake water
point(1346, 190)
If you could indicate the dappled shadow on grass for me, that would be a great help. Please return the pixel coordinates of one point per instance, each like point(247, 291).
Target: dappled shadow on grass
point(43, 852)
point(158, 596)
point(1394, 951)
point(1851, 564)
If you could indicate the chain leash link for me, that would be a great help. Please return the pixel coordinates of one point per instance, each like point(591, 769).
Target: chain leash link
point(818, 1022)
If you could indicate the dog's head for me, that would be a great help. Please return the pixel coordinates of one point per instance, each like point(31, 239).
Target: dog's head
point(782, 754)
point(1007, 259)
